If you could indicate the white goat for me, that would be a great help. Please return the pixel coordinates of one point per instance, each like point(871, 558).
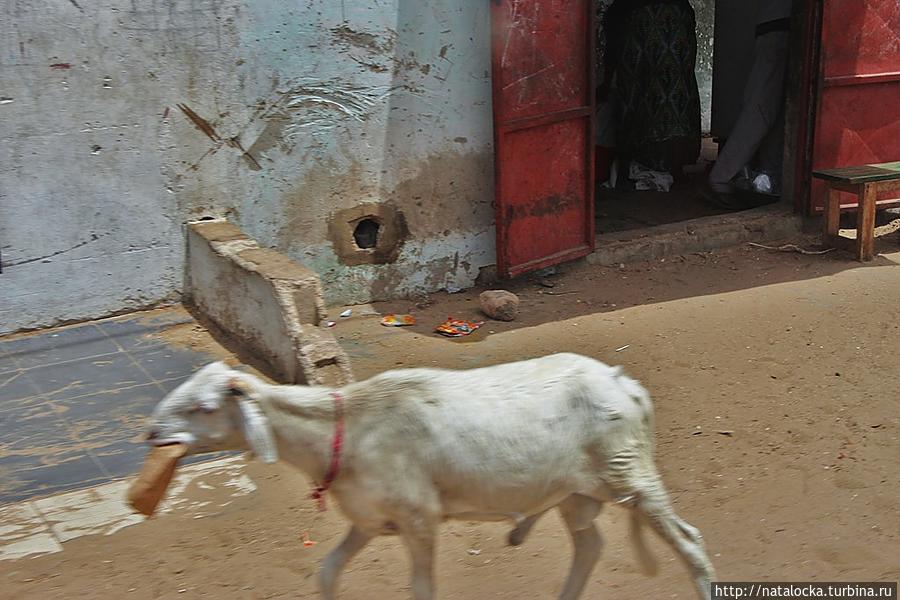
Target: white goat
point(422, 445)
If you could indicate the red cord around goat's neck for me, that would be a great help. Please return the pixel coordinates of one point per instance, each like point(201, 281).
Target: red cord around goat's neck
point(337, 444)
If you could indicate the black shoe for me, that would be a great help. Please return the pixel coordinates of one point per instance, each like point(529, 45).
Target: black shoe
point(751, 199)
point(723, 201)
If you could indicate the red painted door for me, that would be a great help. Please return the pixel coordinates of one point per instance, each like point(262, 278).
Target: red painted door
point(858, 111)
point(543, 122)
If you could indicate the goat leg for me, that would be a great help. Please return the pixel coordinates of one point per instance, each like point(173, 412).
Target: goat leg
point(522, 529)
point(337, 559)
point(579, 512)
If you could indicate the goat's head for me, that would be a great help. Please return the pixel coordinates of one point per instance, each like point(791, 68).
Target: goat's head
point(216, 409)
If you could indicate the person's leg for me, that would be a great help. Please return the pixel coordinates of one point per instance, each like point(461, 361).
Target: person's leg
point(770, 156)
point(766, 169)
point(667, 115)
point(763, 99)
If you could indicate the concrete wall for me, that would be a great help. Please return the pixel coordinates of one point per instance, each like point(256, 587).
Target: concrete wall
point(123, 120)
point(269, 303)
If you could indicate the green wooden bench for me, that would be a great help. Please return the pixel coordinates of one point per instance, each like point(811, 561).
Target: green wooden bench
point(865, 182)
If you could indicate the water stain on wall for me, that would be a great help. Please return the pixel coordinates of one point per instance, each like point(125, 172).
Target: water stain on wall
point(450, 191)
point(446, 204)
point(329, 183)
point(445, 193)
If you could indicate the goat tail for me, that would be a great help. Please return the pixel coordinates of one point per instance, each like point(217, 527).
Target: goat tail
point(637, 392)
point(645, 558)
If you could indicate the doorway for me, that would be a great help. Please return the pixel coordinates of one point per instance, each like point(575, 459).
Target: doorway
point(837, 84)
point(663, 68)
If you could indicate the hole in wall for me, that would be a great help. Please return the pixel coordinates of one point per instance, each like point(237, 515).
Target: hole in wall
point(365, 234)
point(368, 234)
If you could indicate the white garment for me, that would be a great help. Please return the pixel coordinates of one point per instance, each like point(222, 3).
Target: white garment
point(762, 184)
point(648, 180)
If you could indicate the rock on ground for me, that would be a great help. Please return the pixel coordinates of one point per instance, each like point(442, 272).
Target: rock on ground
point(499, 304)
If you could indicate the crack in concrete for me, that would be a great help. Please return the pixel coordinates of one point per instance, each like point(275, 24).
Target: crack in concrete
point(94, 237)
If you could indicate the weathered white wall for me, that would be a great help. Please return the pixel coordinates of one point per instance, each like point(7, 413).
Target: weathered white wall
point(122, 120)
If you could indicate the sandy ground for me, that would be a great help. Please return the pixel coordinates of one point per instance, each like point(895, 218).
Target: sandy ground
point(795, 357)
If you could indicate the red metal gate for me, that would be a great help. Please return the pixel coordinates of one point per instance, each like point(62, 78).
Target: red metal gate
point(858, 111)
point(543, 123)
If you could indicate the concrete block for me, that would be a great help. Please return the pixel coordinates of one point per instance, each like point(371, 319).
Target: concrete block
point(264, 300)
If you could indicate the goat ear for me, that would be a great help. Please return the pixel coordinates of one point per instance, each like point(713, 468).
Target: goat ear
point(258, 431)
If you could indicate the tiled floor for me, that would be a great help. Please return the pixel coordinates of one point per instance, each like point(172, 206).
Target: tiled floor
point(73, 401)
point(33, 527)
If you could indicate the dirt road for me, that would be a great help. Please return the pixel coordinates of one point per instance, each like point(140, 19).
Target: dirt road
point(775, 378)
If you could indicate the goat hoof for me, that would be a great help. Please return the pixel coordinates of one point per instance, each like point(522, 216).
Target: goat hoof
point(516, 537)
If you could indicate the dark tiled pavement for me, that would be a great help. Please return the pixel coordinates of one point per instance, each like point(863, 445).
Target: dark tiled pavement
point(73, 401)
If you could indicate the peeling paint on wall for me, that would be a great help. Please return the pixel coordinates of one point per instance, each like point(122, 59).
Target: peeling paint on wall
point(369, 42)
point(370, 50)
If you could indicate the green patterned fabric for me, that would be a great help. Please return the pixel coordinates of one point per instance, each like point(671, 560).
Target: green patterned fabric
point(655, 50)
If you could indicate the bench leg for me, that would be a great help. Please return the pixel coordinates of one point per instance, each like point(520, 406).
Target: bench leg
point(865, 223)
point(832, 212)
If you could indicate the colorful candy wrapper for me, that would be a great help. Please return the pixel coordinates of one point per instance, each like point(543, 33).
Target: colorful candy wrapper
point(398, 320)
point(457, 328)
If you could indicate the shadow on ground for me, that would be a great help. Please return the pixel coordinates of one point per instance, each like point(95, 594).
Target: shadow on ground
point(581, 289)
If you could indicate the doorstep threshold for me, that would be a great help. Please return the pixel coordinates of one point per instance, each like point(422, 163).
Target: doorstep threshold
point(767, 223)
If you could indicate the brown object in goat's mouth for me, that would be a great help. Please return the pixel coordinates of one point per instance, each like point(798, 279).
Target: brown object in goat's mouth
point(147, 491)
